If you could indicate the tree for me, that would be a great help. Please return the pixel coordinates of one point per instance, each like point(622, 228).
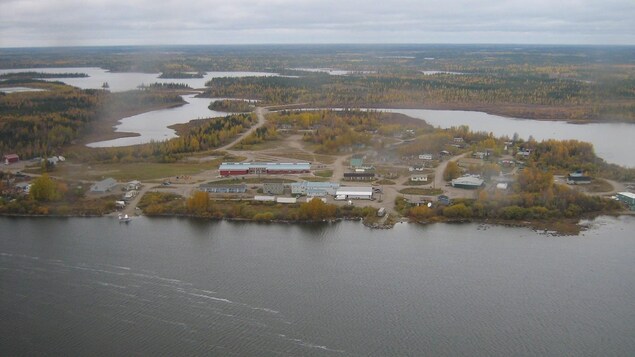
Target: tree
point(452, 171)
point(198, 202)
point(44, 189)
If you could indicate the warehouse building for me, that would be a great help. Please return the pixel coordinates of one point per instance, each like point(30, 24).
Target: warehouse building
point(242, 188)
point(256, 168)
point(354, 193)
point(628, 198)
point(314, 189)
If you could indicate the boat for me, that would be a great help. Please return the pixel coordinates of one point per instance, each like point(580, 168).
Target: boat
point(124, 218)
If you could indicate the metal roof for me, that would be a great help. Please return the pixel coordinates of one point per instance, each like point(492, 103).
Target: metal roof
point(627, 194)
point(265, 165)
point(365, 190)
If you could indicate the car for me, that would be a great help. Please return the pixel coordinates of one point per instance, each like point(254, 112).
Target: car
point(20, 174)
point(167, 183)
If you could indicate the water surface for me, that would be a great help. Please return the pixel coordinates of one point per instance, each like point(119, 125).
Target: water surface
point(193, 287)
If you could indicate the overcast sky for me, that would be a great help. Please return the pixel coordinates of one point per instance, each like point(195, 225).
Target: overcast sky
point(150, 22)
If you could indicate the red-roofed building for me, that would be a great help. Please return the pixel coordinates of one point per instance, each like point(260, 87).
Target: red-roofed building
point(10, 158)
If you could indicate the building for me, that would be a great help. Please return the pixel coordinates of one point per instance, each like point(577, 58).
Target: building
point(578, 178)
point(273, 188)
point(627, 198)
point(419, 178)
point(468, 182)
point(359, 176)
point(211, 188)
point(425, 157)
point(314, 189)
point(10, 159)
point(357, 161)
point(355, 193)
point(102, 186)
point(286, 200)
point(133, 185)
point(251, 168)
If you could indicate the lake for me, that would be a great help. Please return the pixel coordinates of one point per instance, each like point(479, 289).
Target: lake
point(153, 125)
point(169, 286)
point(612, 141)
point(123, 81)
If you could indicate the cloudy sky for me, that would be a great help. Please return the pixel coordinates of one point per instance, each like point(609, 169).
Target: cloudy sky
point(147, 22)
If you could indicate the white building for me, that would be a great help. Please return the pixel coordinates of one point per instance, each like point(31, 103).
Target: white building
point(419, 178)
point(355, 193)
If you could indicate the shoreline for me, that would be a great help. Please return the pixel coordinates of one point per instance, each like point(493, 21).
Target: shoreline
point(563, 227)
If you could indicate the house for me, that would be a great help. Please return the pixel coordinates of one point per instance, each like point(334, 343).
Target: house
point(133, 185)
point(273, 188)
point(10, 159)
point(502, 186)
point(359, 176)
point(357, 162)
point(458, 140)
point(102, 186)
point(479, 155)
point(241, 188)
point(419, 178)
point(425, 157)
point(355, 193)
point(578, 178)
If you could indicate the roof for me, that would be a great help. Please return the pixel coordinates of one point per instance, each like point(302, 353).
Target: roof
point(265, 165)
point(359, 174)
point(627, 194)
point(229, 186)
point(104, 185)
point(364, 190)
point(468, 180)
point(11, 156)
point(311, 184)
point(357, 162)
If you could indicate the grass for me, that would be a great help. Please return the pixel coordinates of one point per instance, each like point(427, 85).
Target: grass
point(314, 178)
point(421, 191)
point(143, 171)
point(599, 185)
point(324, 173)
point(386, 182)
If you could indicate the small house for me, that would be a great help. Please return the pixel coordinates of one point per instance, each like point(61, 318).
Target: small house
point(425, 157)
point(419, 178)
point(10, 159)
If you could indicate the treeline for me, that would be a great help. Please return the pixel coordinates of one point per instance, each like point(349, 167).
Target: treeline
point(231, 106)
point(199, 204)
point(42, 123)
point(40, 75)
point(519, 94)
point(569, 155)
point(201, 135)
point(167, 86)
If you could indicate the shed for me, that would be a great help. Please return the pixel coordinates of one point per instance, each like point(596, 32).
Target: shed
point(286, 200)
point(104, 185)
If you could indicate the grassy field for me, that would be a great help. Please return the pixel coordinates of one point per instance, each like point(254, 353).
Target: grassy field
point(421, 191)
point(133, 171)
point(324, 173)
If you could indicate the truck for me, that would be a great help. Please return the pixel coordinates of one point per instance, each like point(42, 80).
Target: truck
point(381, 212)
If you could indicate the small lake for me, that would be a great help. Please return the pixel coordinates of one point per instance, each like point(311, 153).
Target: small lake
point(123, 81)
point(153, 126)
point(612, 141)
point(186, 287)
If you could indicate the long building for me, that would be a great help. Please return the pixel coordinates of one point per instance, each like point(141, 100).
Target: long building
point(314, 188)
point(468, 182)
point(355, 193)
point(255, 168)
